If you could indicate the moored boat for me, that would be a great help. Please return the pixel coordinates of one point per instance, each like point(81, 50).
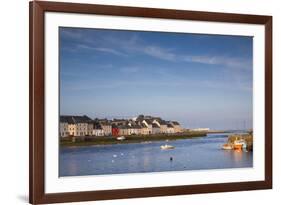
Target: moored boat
point(238, 144)
point(121, 138)
point(227, 147)
point(164, 147)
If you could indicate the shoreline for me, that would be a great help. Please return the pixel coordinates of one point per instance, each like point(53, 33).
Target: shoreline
point(92, 140)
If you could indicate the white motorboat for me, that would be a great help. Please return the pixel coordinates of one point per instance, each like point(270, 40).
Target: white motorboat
point(227, 147)
point(121, 138)
point(166, 146)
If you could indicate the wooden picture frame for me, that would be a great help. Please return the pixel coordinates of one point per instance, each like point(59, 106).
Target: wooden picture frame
point(38, 9)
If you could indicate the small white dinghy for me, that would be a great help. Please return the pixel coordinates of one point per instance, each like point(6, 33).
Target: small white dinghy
point(121, 138)
point(164, 147)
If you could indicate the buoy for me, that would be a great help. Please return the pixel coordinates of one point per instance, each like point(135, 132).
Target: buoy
point(171, 158)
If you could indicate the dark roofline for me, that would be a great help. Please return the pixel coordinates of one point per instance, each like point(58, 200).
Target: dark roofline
point(148, 121)
point(175, 123)
point(154, 125)
point(74, 119)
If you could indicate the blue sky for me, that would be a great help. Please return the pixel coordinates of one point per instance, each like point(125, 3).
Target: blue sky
point(198, 80)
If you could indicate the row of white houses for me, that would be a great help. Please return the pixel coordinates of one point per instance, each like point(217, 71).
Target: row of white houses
point(142, 125)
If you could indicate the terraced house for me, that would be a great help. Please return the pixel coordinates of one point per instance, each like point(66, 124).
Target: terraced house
point(106, 127)
point(133, 128)
point(142, 125)
point(74, 125)
point(124, 130)
point(170, 129)
point(155, 128)
point(162, 124)
point(144, 129)
point(97, 129)
point(176, 126)
point(64, 132)
point(148, 124)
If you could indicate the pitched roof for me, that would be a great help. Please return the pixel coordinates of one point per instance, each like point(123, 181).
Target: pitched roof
point(123, 127)
point(175, 123)
point(143, 125)
point(154, 125)
point(105, 123)
point(97, 126)
point(136, 126)
point(161, 122)
point(65, 119)
point(82, 119)
point(119, 121)
point(75, 119)
point(148, 121)
point(114, 126)
point(138, 123)
point(170, 126)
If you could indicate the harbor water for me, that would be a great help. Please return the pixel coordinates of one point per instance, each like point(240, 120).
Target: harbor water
point(199, 153)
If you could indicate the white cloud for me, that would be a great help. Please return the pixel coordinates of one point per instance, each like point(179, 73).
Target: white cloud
point(111, 51)
point(74, 34)
point(219, 60)
point(101, 49)
point(159, 53)
point(135, 45)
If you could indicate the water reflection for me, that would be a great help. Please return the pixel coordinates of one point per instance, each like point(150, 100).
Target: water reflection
point(238, 155)
point(190, 154)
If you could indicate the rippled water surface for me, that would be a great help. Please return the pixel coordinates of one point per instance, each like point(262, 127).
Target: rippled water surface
point(189, 154)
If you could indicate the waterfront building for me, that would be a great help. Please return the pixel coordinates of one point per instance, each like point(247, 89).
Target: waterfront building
point(137, 129)
point(119, 121)
point(134, 128)
point(63, 127)
point(77, 125)
point(170, 129)
point(144, 129)
point(155, 128)
point(81, 125)
point(148, 124)
point(106, 126)
point(177, 126)
point(90, 128)
point(97, 129)
point(131, 129)
point(115, 130)
point(123, 130)
point(162, 124)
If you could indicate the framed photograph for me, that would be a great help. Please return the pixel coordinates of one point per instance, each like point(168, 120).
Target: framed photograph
point(132, 102)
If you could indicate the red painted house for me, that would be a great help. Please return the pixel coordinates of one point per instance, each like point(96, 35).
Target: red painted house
point(115, 130)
